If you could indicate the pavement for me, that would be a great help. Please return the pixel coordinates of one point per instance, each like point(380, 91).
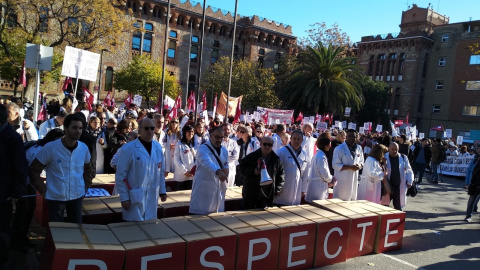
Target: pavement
point(435, 236)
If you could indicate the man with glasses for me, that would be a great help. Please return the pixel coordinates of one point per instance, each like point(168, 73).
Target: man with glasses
point(259, 133)
point(209, 182)
point(233, 153)
point(140, 175)
point(256, 194)
point(159, 128)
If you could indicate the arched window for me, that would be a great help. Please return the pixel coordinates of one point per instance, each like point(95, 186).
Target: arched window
point(108, 79)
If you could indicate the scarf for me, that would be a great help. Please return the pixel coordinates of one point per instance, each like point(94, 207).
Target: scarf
point(94, 132)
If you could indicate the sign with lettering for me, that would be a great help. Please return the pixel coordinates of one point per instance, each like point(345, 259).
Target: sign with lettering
point(80, 64)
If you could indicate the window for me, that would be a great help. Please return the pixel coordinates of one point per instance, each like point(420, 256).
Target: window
point(425, 66)
point(173, 34)
point(235, 52)
point(439, 85)
point(445, 37)
point(136, 41)
point(278, 57)
point(147, 38)
point(442, 61)
point(473, 85)
point(400, 64)
point(12, 19)
point(43, 19)
point(380, 64)
point(141, 40)
point(191, 83)
point(172, 47)
point(474, 59)
point(109, 79)
point(214, 56)
point(436, 108)
point(194, 49)
point(370, 65)
point(391, 64)
point(396, 105)
point(471, 110)
point(261, 52)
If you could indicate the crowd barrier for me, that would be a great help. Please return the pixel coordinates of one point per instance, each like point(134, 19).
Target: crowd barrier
point(291, 237)
point(455, 166)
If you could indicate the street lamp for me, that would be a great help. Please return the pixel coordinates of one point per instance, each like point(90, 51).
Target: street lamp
point(100, 78)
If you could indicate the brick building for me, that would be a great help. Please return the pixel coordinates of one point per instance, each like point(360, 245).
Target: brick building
point(433, 75)
point(257, 39)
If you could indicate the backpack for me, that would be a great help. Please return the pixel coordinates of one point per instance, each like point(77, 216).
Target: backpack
point(443, 155)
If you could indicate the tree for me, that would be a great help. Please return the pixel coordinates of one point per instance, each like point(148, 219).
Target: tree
point(249, 80)
point(375, 94)
point(319, 33)
point(143, 76)
point(89, 25)
point(324, 81)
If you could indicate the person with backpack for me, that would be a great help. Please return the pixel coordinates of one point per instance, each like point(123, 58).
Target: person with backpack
point(438, 156)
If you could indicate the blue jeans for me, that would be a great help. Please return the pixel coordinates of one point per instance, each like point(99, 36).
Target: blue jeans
point(420, 168)
point(434, 171)
point(472, 203)
point(56, 210)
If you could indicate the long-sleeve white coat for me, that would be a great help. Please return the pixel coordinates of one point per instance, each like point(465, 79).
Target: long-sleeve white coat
point(347, 180)
point(169, 140)
point(308, 145)
point(184, 159)
point(100, 154)
point(318, 179)
point(277, 142)
point(370, 186)
point(233, 153)
point(295, 180)
point(208, 193)
point(406, 178)
point(145, 174)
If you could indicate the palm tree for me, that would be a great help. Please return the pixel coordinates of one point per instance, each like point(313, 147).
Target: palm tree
point(324, 81)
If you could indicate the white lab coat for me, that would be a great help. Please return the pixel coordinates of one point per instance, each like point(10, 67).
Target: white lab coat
point(233, 153)
point(199, 140)
point(277, 142)
point(184, 159)
point(308, 145)
point(370, 186)
point(100, 155)
point(160, 139)
point(254, 144)
point(46, 126)
point(167, 141)
point(208, 193)
point(406, 178)
point(145, 174)
point(318, 178)
point(30, 133)
point(295, 181)
point(347, 180)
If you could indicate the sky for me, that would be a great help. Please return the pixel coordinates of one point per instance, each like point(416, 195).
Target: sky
point(356, 18)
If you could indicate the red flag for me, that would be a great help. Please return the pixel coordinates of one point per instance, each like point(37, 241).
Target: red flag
point(89, 98)
point(440, 127)
point(398, 123)
point(67, 81)
point(204, 101)
point(108, 99)
point(23, 75)
point(318, 118)
point(214, 105)
point(43, 114)
point(128, 101)
point(238, 112)
point(265, 118)
point(330, 119)
point(406, 119)
point(176, 107)
point(299, 117)
point(191, 102)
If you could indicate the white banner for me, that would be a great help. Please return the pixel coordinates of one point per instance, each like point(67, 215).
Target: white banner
point(456, 166)
point(284, 116)
point(352, 126)
point(379, 128)
point(361, 130)
point(448, 133)
point(80, 63)
point(459, 140)
point(421, 135)
point(137, 100)
point(322, 126)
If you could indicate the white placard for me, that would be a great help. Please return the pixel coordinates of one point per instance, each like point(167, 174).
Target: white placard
point(347, 111)
point(448, 133)
point(80, 63)
point(379, 128)
point(137, 100)
point(184, 121)
point(31, 57)
point(459, 140)
point(312, 119)
point(366, 126)
point(322, 126)
point(344, 124)
point(338, 125)
point(421, 135)
point(352, 126)
point(361, 130)
point(205, 116)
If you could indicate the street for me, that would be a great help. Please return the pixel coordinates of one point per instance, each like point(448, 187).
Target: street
point(435, 237)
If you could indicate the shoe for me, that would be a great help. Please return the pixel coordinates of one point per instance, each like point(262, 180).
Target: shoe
point(434, 182)
point(467, 219)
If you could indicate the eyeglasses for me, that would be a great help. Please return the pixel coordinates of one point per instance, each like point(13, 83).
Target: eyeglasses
point(267, 144)
point(147, 128)
point(102, 118)
point(174, 122)
point(242, 131)
point(261, 132)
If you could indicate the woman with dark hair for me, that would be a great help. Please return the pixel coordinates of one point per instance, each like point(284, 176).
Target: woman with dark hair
point(119, 138)
point(370, 187)
point(320, 179)
point(201, 136)
point(184, 159)
point(170, 140)
point(95, 130)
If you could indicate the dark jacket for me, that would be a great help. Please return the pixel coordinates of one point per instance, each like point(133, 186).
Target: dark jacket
point(404, 148)
point(254, 195)
point(13, 164)
point(109, 151)
point(428, 153)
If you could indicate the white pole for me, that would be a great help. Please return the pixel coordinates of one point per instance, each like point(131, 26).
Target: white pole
point(37, 87)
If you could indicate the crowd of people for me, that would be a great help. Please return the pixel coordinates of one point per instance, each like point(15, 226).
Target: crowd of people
point(276, 165)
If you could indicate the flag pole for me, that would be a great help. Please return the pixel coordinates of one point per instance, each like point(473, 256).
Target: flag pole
point(164, 57)
point(200, 57)
point(231, 61)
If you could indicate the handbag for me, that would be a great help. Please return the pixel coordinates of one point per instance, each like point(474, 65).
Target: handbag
point(413, 189)
point(386, 188)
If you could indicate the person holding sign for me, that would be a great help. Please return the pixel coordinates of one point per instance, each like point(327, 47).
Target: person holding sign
point(347, 161)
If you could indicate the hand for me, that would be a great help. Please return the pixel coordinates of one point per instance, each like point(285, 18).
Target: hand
point(123, 142)
point(166, 174)
point(222, 176)
point(187, 174)
point(126, 205)
point(26, 125)
point(355, 167)
point(409, 186)
point(163, 197)
point(101, 141)
point(303, 194)
point(226, 171)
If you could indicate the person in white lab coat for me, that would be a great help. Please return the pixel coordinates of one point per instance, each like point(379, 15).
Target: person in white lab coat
point(347, 161)
point(259, 134)
point(277, 137)
point(319, 178)
point(159, 126)
point(201, 135)
point(294, 161)
point(140, 175)
point(370, 186)
point(56, 122)
point(400, 178)
point(209, 182)
point(169, 141)
point(233, 153)
point(184, 159)
point(308, 143)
